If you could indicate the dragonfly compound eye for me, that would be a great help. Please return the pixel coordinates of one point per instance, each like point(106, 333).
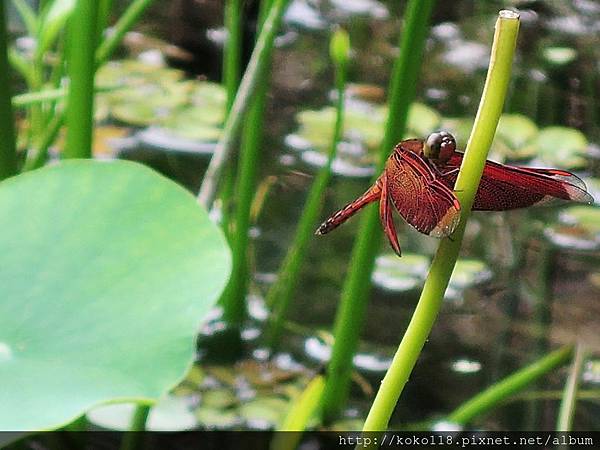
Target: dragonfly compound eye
point(433, 145)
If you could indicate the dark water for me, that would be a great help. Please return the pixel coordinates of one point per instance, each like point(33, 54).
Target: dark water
point(539, 294)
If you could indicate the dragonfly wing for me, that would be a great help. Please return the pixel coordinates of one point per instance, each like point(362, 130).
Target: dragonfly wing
point(510, 187)
point(339, 217)
point(420, 196)
point(385, 214)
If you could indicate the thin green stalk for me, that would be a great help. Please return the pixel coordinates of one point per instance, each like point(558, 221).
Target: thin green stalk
point(131, 15)
point(569, 398)
point(258, 62)
point(234, 296)
point(484, 128)
point(132, 439)
point(302, 410)
point(103, 53)
point(8, 150)
point(232, 62)
point(351, 312)
point(38, 153)
point(502, 390)
point(49, 95)
point(81, 68)
point(104, 10)
point(282, 291)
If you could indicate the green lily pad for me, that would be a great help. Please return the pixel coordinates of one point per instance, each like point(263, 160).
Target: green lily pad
point(578, 228)
point(559, 56)
point(400, 274)
point(195, 123)
point(467, 273)
point(264, 412)
point(107, 271)
point(515, 137)
point(218, 398)
point(217, 419)
point(168, 414)
point(562, 147)
point(408, 273)
point(156, 95)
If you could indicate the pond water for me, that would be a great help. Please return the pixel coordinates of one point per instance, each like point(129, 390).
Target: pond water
point(528, 281)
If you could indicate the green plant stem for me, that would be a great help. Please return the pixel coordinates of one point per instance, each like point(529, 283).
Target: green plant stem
point(301, 411)
point(132, 439)
point(103, 53)
point(131, 15)
point(81, 69)
point(502, 390)
point(280, 294)
point(8, 150)
point(484, 128)
point(258, 63)
point(104, 10)
point(232, 59)
point(38, 154)
point(569, 398)
point(234, 297)
point(50, 95)
point(351, 312)
point(231, 79)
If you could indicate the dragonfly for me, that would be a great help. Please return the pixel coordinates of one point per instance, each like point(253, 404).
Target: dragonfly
point(418, 182)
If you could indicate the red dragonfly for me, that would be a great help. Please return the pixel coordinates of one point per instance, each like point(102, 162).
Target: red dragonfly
point(418, 181)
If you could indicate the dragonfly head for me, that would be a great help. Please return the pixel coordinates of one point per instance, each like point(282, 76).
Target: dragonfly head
point(439, 147)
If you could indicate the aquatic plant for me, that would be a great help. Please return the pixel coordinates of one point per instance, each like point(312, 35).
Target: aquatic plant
point(486, 121)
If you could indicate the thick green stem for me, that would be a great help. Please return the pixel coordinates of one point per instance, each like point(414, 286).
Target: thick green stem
point(484, 128)
point(357, 286)
point(234, 297)
point(132, 439)
point(502, 390)
point(258, 63)
point(231, 79)
point(81, 68)
point(281, 292)
point(569, 398)
point(298, 417)
point(232, 59)
point(104, 9)
point(8, 151)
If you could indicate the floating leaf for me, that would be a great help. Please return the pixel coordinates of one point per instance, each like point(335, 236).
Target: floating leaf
point(467, 273)
point(400, 274)
point(408, 273)
point(578, 228)
point(107, 270)
point(561, 147)
point(559, 56)
point(217, 419)
point(263, 413)
point(515, 137)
